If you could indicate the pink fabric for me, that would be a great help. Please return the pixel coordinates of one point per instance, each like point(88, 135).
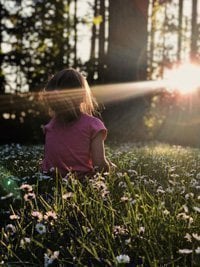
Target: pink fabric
point(68, 148)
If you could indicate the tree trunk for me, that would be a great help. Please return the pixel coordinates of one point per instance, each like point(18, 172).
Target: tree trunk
point(127, 42)
point(75, 33)
point(180, 25)
point(92, 60)
point(101, 58)
point(2, 78)
point(194, 33)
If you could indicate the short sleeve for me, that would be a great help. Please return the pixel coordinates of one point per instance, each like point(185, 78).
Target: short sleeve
point(97, 126)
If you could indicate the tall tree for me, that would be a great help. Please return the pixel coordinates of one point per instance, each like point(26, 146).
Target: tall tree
point(194, 33)
point(75, 32)
point(91, 65)
point(126, 58)
point(101, 54)
point(180, 23)
point(3, 14)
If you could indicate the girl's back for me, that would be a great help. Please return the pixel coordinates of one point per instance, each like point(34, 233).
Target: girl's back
point(69, 147)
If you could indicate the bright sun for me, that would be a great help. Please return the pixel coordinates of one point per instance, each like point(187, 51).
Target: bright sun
point(184, 78)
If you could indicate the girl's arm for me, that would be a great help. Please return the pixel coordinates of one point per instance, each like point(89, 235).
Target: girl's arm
point(98, 154)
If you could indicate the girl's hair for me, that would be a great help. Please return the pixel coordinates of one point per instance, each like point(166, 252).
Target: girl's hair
point(68, 94)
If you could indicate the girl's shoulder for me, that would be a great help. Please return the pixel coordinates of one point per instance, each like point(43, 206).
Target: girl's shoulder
point(90, 118)
point(94, 124)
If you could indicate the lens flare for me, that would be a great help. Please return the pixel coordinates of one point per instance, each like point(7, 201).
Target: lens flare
point(184, 78)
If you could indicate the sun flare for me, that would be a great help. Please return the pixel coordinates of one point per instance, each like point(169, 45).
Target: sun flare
point(184, 78)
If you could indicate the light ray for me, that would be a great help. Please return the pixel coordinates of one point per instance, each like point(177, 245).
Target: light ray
point(103, 93)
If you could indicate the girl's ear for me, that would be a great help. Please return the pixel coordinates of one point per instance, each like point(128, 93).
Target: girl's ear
point(51, 113)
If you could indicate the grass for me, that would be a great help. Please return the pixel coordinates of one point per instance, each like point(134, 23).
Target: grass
point(146, 213)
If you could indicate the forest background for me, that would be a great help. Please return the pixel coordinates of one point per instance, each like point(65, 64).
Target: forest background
point(117, 44)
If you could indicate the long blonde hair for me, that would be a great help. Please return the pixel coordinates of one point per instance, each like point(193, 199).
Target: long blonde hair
point(68, 94)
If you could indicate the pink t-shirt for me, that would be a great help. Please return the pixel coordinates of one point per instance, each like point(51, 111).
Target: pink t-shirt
point(67, 148)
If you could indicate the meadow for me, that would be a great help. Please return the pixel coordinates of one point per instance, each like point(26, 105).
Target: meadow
point(145, 213)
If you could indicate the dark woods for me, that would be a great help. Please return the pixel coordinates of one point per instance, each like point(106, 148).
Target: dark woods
point(128, 40)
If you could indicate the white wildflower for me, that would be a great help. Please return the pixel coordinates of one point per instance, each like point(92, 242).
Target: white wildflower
point(183, 216)
point(119, 230)
point(185, 251)
point(40, 228)
point(122, 184)
point(14, 217)
point(172, 182)
point(24, 241)
point(67, 195)
point(105, 193)
point(38, 215)
point(124, 199)
point(10, 228)
point(119, 174)
point(197, 250)
point(29, 196)
point(26, 187)
point(160, 190)
point(169, 190)
point(49, 257)
point(196, 236)
point(189, 195)
point(188, 237)
point(86, 229)
point(174, 175)
point(197, 209)
point(132, 201)
point(166, 212)
point(50, 215)
point(185, 208)
point(123, 259)
point(194, 182)
point(128, 241)
point(132, 172)
point(141, 230)
point(190, 221)
point(172, 169)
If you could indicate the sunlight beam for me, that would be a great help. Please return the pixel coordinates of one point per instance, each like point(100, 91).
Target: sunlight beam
point(121, 91)
point(103, 93)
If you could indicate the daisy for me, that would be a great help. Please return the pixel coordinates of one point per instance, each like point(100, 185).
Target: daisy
point(197, 251)
point(40, 228)
point(38, 215)
point(196, 236)
point(123, 259)
point(50, 215)
point(49, 257)
point(10, 228)
point(24, 241)
point(14, 217)
point(29, 196)
point(197, 209)
point(67, 195)
point(185, 251)
point(26, 187)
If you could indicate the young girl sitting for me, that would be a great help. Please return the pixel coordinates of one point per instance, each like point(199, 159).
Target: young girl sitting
point(74, 138)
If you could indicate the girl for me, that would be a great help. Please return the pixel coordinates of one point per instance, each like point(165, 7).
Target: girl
point(74, 138)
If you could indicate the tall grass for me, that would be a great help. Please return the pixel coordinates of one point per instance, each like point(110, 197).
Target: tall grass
point(146, 213)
